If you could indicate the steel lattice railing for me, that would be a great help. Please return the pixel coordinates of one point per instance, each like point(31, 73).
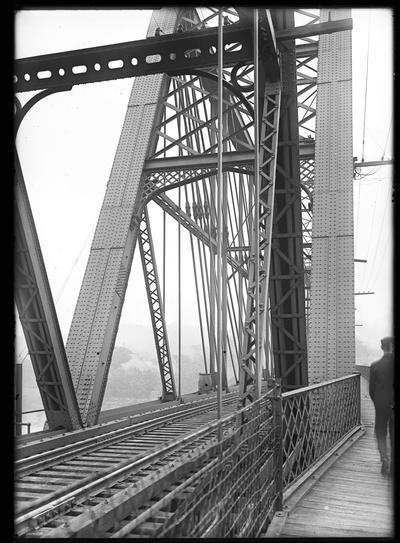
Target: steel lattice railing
point(237, 492)
point(233, 483)
point(314, 419)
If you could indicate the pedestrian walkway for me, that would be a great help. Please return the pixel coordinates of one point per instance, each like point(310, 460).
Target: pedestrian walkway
point(352, 498)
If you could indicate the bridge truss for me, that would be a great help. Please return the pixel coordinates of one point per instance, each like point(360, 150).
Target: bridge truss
point(225, 153)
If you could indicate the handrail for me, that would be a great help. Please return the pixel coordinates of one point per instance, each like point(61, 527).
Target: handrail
point(316, 385)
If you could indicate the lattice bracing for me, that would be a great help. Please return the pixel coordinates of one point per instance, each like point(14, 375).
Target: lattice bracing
point(38, 318)
point(315, 418)
point(156, 309)
point(261, 244)
point(236, 496)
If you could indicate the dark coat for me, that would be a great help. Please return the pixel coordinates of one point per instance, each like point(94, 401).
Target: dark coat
point(381, 381)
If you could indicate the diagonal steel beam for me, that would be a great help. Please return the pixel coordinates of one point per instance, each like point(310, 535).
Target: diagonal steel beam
point(156, 308)
point(39, 319)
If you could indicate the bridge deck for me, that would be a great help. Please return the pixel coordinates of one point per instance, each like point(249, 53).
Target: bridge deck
point(352, 498)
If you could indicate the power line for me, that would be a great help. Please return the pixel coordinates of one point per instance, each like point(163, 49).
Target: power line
point(382, 259)
point(366, 87)
point(368, 130)
point(369, 239)
point(380, 232)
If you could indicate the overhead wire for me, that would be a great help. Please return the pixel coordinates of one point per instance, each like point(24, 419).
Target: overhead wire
point(371, 225)
point(366, 85)
point(363, 136)
point(379, 234)
point(381, 261)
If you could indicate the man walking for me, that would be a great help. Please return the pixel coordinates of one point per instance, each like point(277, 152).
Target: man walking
point(381, 389)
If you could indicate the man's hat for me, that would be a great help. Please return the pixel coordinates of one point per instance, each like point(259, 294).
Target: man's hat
point(387, 341)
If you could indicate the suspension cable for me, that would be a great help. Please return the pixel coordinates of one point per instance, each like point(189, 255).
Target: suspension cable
point(179, 303)
point(197, 293)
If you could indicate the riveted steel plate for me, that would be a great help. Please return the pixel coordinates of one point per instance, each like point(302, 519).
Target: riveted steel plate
point(331, 336)
point(95, 322)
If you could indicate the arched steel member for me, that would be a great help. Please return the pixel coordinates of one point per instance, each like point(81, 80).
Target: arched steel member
point(35, 304)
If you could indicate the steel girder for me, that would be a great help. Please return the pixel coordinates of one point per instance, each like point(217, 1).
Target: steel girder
point(332, 332)
point(288, 327)
point(168, 53)
point(95, 322)
point(252, 354)
point(38, 317)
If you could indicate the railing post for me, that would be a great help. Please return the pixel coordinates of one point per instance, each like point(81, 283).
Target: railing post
point(358, 375)
point(278, 425)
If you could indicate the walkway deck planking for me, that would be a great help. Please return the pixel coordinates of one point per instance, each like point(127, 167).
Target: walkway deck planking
point(352, 499)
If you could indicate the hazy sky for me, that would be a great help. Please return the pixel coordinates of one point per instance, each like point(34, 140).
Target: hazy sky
point(67, 143)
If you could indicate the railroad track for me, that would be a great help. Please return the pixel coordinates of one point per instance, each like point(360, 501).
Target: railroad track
point(64, 490)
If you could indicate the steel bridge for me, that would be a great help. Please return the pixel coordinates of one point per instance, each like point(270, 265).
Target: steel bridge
point(238, 129)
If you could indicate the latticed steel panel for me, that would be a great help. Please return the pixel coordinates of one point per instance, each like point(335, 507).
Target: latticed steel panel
point(95, 322)
point(261, 243)
point(332, 338)
point(315, 418)
point(38, 318)
point(236, 493)
point(156, 308)
point(288, 327)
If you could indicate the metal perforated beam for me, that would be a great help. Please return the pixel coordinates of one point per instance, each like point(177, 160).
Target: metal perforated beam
point(166, 53)
point(153, 55)
point(38, 317)
point(331, 340)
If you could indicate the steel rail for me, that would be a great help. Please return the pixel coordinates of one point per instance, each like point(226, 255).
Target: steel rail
point(52, 505)
point(42, 460)
point(129, 483)
point(164, 441)
point(47, 440)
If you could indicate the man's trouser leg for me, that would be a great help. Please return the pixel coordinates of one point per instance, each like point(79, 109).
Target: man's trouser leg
point(381, 422)
point(391, 436)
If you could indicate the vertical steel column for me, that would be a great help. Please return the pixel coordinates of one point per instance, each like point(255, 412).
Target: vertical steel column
point(261, 241)
point(258, 335)
point(39, 319)
point(156, 308)
point(332, 335)
point(220, 218)
point(288, 328)
point(278, 442)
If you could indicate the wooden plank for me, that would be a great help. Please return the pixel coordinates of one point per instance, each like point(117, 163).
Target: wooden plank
point(60, 473)
point(351, 498)
point(88, 463)
point(19, 494)
point(71, 469)
point(342, 513)
point(42, 487)
point(352, 502)
point(300, 530)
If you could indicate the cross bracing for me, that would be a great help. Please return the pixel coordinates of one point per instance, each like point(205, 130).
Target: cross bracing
point(168, 155)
